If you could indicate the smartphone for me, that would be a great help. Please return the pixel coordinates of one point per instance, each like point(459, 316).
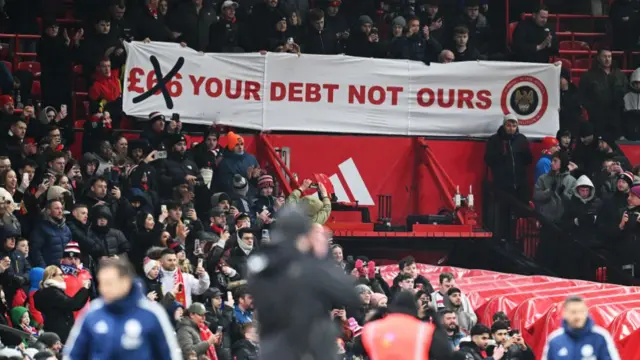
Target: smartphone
point(163, 208)
point(175, 116)
point(200, 262)
point(180, 287)
point(226, 228)
point(265, 233)
point(219, 329)
point(229, 296)
point(290, 41)
point(161, 155)
point(196, 247)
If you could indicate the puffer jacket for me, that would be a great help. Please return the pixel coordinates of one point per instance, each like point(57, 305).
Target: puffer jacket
point(551, 191)
point(47, 243)
point(113, 241)
point(189, 338)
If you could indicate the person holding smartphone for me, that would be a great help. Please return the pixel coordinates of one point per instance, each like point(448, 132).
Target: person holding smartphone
point(511, 341)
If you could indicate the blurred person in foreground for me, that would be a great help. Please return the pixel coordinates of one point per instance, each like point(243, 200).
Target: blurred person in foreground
point(293, 286)
point(122, 323)
point(579, 337)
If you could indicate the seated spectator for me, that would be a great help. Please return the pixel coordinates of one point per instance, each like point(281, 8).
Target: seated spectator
point(365, 304)
point(447, 281)
point(511, 341)
point(631, 115)
point(461, 48)
point(247, 347)
point(554, 188)
point(480, 336)
point(317, 210)
point(106, 90)
point(533, 40)
point(57, 307)
point(453, 301)
point(318, 39)
point(22, 320)
point(580, 212)
point(550, 146)
point(449, 323)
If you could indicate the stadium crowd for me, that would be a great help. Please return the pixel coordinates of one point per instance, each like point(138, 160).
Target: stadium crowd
point(189, 217)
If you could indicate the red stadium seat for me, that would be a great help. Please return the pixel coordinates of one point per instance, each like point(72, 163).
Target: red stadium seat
point(30, 66)
point(8, 65)
point(79, 124)
point(566, 63)
point(36, 90)
point(511, 30)
point(575, 80)
point(573, 45)
point(582, 64)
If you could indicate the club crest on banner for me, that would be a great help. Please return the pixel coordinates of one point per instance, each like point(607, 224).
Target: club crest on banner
point(527, 98)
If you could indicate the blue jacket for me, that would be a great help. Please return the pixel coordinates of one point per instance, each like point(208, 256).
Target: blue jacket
point(47, 243)
point(543, 166)
point(130, 328)
point(590, 342)
point(232, 164)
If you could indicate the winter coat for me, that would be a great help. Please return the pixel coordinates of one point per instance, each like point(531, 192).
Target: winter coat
point(222, 317)
point(192, 25)
point(631, 114)
point(238, 261)
point(189, 337)
point(87, 240)
point(527, 36)
point(417, 48)
point(47, 242)
point(601, 94)
point(439, 302)
point(245, 350)
point(590, 342)
point(177, 167)
point(130, 328)
point(610, 215)
point(320, 42)
point(231, 165)
point(570, 109)
point(472, 351)
point(230, 36)
point(318, 211)
point(550, 193)
point(580, 213)
point(57, 308)
point(508, 156)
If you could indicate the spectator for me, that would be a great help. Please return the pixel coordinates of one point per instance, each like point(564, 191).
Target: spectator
point(613, 208)
point(57, 307)
point(447, 281)
point(550, 146)
point(230, 34)
point(624, 18)
point(243, 310)
point(192, 21)
point(461, 48)
point(193, 334)
point(511, 341)
point(74, 272)
point(581, 211)
point(565, 141)
point(318, 39)
point(478, 25)
point(106, 90)
point(365, 41)
point(50, 236)
point(570, 104)
point(446, 57)
point(141, 326)
point(480, 336)
point(336, 21)
point(112, 240)
point(453, 301)
point(102, 42)
point(220, 317)
point(449, 323)
point(236, 161)
point(407, 265)
point(150, 26)
point(533, 40)
point(631, 114)
point(435, 19)
point(579, 330)
point(263, 15)
point(187, 284)
point(554, 188)
point(317, 210)
point(247, 347)
point(425, 310)
point(602, 91)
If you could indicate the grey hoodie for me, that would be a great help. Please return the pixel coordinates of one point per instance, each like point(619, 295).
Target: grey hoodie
point(550, 191)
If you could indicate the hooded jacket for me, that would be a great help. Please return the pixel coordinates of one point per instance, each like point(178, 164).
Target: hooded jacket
point(631, 114)
point(245, 350)
point(551, 191)
point(57, 307)
point(590, 342)
point(112, 241)
point(581, 213)
point(130, 328)
point(231, 165)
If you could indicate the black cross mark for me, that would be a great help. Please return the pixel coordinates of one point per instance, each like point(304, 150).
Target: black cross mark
point(162, 82)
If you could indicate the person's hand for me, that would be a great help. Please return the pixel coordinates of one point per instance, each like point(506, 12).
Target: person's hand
point(146, 41)
point(200, 271)
point(78, 35)
point(625, 18)
point(191, 179)
point(485, 7)
point(225, 235)
point(234, 211)
point(264, 215)
point(176, 35)
point(279, 202)
point(86, 284)
point(544, 44)
point(191, 214)
point(28, 111)
point(109, 51)
point(229, 302)
point(519, 341)
point(153, 296)
point(498, 353)
point(65, 35)
point(176, 288)
point(183, 44)
point(164, 214)
point(116, 193)
point(426, 32)
point(212, 340)
point(25, 181)
point(342, 314)
point(576, 221)
point(182, 231)
point(5, 263)
point(305, 184)
point(322, 189)
point(152, 156)
point(250, 172)
point(119, 51)
point(374, 38)
point(624, 221)
point(572, 166)
point(226, 270)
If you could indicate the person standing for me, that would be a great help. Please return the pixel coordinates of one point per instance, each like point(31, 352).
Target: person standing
point(579, 337)
point(122, 323)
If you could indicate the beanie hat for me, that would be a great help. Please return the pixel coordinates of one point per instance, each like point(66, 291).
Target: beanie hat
point(49, 339)
point(265, 181)
point(156, 115)
point(362, 289)
point(239, 182)
point(4, 194)
point(365, 19)
point(176, 138)
point(5, 99)
point(376, 298)
point(72, 249)
point(549, 141)
point(635, 190)
point(176, 246)
point(509, 117)
point(148, 265)
point(233, 139)
point(628, 177)
point(399, 21)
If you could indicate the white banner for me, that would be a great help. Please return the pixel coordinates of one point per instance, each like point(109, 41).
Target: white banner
point(340, 94)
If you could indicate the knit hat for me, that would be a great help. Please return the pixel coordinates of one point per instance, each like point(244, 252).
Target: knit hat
point(5, 99)
point(376, 298)
point(509, 117)
point(265, 181)
point(148, 265)
point(176, 138)
point(362, 289)
point(156, 115)
point(176, 246)
point(635, 191)
point(4, 194)
point(548, 142)
point(240, 184)
point(71, 250)
point(233, 139)
point(365, 19)
point(399, 21)
point(628, 177)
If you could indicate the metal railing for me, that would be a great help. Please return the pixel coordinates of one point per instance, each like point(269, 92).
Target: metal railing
point(546, 243)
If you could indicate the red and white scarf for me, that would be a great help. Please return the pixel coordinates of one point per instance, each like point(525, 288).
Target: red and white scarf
point(180, 295)
point(205, 334)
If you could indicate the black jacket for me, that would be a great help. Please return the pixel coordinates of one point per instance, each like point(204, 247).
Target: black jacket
point(527, 36)
point(230, 36)
point(57, 308)
point(471, 351)
point(192, 25)
point(150, 26)
point(570, 109)
point(245, 350)
point(323, 42)
point(87, 240)
point(176, 168)
point(222, 317)
point(508, 157)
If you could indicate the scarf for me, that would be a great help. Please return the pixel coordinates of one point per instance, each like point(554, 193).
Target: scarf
point(244, 247)
point(57, 284)
point(69, 270)
point(30, 330)
point(180, 295)
point(205, 334)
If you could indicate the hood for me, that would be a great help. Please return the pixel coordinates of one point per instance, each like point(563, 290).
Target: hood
point(146, 204)
point(16, 315)
point(635, 76)
point(584, 181)
point(578, 333)
point(102, 211)
point(35, 276)
point(42, 116)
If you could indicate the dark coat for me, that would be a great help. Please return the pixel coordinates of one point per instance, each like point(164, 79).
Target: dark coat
point(527, 36)
point(322, 42)
point(87, 240)
point(230, 36)
point(57, 309)
point(508, 157)
point(602, 96)
point(245, 350)
point(55, 59)
point(47, 242)
point(193, 25)
point(570, 109)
